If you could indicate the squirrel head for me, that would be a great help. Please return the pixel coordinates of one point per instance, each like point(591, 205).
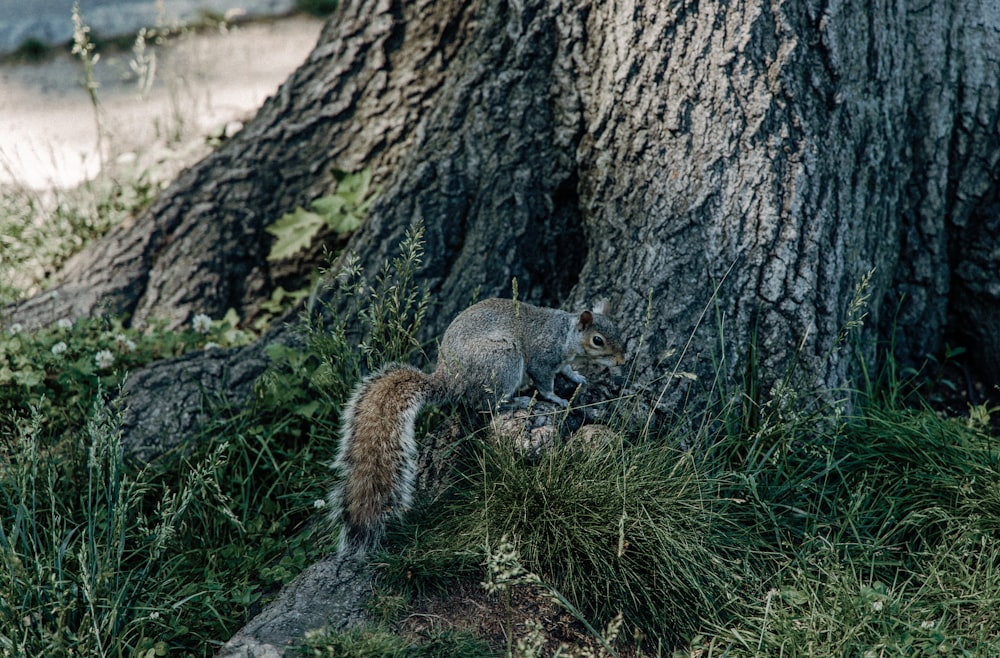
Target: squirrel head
point(600, 338)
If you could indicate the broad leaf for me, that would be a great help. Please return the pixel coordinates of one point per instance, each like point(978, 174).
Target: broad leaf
point(294, 232)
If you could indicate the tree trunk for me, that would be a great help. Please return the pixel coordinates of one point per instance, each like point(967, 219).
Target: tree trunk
point(726, 173)
point(739, 166)
point(736, 166)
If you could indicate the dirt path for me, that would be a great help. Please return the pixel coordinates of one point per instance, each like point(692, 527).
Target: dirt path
point(202, 83)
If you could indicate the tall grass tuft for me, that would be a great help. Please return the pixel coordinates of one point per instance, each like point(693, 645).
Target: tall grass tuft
point(637, 529)
point(83, 48)
point(885, 526)
point(87, 570)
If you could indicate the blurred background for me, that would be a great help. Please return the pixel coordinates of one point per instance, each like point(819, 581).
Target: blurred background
point(103, 103)
point(163, 82)
point(48, 21)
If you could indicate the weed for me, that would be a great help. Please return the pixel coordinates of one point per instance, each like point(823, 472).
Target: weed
point(143, 63)
point(90, 570)
point(831, 604)
point(341, 212)
point(795, 523)
point(504, 570)
point(384, 318)
point(83, 48)
point(398, 305)
point(39, 233)
point(59, 369)
point(635, 529)
point(789, 525)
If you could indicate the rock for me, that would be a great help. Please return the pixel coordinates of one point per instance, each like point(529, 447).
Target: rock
point(329, 594)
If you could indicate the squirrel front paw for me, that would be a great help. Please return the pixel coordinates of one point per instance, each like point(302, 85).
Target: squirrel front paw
point(573, 375)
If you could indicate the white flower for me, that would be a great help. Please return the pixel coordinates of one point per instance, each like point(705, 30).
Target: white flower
point(123, 342)
point(59, 348)
point(877, 606)
point(201, 323)
point(319, 503)
point(15, 329)
point(64, 323)
point(104, 359)
point(927, 625)
point(211, 346)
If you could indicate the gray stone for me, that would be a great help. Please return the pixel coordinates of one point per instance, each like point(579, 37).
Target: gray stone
point(328, 594)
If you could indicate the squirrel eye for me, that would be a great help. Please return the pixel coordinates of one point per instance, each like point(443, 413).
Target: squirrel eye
point(598, 341)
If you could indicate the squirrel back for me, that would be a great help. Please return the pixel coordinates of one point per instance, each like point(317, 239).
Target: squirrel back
point(490, 346)
point(485, 353)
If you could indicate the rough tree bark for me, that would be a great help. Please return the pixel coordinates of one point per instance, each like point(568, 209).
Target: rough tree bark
point(750, 158)
point(736, 167)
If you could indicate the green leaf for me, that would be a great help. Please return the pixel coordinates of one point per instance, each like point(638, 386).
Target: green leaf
point(294, 232)
point(345, 223)
point(343, 212)
point(279, 353)
point(28, 377)
point(232, 318)
point(309, 409)
point(353, 187)
point(329, 205)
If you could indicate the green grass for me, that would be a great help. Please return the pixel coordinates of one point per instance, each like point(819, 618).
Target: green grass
point(99, 556)
point(59, 369)
point(886, 523)
point(792, 527)
point(103, 558)
point(797, 534)
point(635, 529)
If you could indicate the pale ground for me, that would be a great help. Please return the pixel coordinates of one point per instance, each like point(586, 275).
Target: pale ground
point(203, 82)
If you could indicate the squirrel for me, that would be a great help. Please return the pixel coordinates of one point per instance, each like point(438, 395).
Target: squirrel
point(484, 354)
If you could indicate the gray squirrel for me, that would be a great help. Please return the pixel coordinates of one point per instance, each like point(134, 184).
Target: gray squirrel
point(484, 355)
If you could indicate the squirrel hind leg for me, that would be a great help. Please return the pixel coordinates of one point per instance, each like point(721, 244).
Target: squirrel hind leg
point(487, 371)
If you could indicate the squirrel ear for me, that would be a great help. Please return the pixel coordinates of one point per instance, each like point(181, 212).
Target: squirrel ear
point(602, 307)
point(586, 319)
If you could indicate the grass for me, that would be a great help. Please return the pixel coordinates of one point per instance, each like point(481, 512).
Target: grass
point(103, 557)
point(376, 642)
point(888, 545)
point(629, 528)
point(40, 232)
point(782, 532)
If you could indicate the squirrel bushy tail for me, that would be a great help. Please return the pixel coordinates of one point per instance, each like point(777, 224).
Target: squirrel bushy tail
point(378, 453)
